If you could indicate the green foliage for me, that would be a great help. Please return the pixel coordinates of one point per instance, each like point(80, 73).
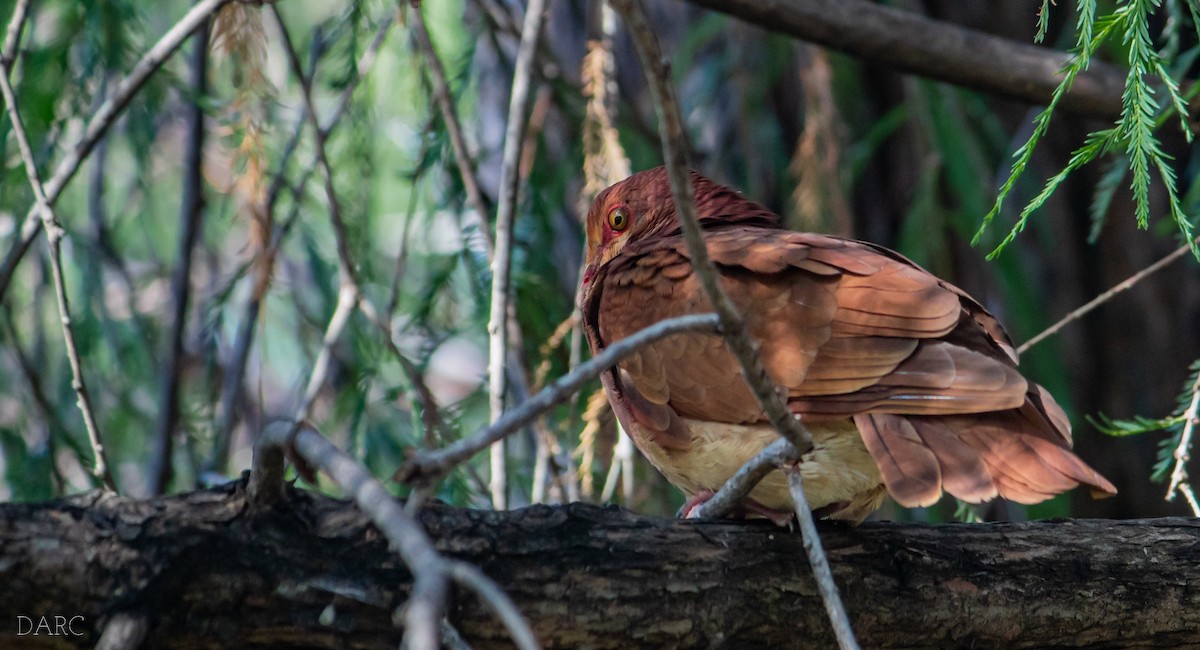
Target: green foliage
point(415, 240)
point(1134, 131)
point(1174, 424)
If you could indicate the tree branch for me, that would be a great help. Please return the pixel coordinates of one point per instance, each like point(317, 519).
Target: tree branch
point(54, 234)
point(427, 602)
point(462, 156)
point(510, 176)
point(427, 466)
point(1124, 285)
point(1191, 416)
point(191, 217)
point(241, 350)
point(590, 576)
point(104, 117)
point(935, 49)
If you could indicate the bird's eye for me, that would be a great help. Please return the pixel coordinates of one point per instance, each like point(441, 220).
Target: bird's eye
point(618, 218)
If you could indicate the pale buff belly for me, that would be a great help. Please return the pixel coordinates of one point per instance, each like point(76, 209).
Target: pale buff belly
point(837, 472)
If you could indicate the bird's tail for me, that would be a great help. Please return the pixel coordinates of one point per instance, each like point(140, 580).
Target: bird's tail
point(1021, 454)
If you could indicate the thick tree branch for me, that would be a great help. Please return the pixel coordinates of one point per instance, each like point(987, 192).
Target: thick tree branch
point(427, 601)
point(935, 49)
point(590, 576)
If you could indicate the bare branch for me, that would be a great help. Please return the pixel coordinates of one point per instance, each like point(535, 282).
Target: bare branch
point(935, 49)
point(54, 234)
point(104, 118)
point(241, 350)
point(424, 611)
point(349, 291)
point(1105, 297)
point(773, 457)
point(192, 214)
point(345, 264)
point(469, 576)
point(348, 297)
point(462, 157)
point(426, 466)
point(12, 37)
point(514, 136)
point(769, 398)
point(1179, 475)
point(820, 564)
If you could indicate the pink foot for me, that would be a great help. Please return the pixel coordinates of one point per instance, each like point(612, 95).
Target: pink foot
point(781, 518)
point(686, 512)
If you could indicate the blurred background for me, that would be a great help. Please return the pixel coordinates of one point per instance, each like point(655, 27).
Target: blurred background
point(188, 356)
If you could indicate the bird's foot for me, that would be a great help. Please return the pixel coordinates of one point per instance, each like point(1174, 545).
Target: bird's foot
point(748, 506)
point(781, 518)
point(687, 510)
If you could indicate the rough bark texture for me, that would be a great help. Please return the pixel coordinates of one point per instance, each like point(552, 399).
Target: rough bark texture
point(202, 571)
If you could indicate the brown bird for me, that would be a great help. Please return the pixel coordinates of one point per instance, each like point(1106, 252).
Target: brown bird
point(905, 382)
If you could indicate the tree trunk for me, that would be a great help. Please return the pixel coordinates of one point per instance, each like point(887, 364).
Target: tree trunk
point(202, 571)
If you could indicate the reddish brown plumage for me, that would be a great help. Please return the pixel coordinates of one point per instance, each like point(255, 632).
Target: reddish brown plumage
point(854, 333)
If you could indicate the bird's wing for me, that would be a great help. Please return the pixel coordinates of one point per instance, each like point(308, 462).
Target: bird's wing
point(849, 330)
point(844, 329)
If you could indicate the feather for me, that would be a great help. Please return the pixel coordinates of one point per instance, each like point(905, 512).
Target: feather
point(858, 336)
point(909, 469)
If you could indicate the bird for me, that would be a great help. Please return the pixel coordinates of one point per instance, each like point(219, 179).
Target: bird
point(908, 386)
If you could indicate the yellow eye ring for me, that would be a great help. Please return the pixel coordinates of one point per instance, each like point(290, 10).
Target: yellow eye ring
point(618, 218)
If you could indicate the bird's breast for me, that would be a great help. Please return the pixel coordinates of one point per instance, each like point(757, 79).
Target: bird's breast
point(838, 469)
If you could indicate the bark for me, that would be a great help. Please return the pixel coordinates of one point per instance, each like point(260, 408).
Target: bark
point(202, 570)
point(935, 49)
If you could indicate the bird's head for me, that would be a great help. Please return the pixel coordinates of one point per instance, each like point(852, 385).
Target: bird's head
point(641, 207)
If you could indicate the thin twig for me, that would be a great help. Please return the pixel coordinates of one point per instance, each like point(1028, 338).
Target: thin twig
point(431, 412)
point(192, 214)
point(104, 118)
point(514, 136)
point(732, 325)
point(1105, 297)
point(471, 577)
point(50, 414)
point(774, 456)
point(445, 102)
point(349, 291)
point(820, 564)
point(428, 598)
point(341, 239)
point(348, 297)
point(12, 37)
point(1186, 489)
point(451, 638)
point(1179, 474)
point(429, 465)
point(54, 236)
point(236, 371)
